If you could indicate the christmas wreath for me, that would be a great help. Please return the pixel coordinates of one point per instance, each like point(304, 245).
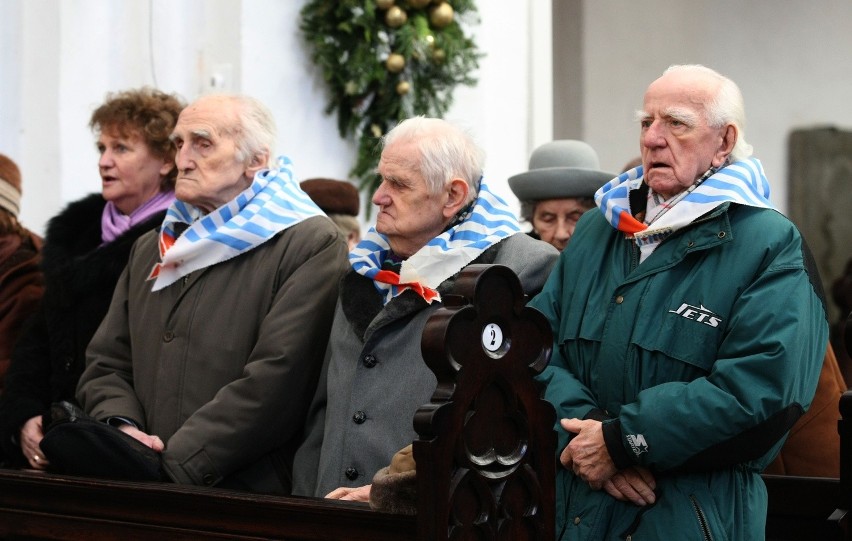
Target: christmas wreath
point(387, 60)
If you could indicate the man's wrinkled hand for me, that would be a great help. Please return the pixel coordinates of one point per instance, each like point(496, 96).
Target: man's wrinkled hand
point(634, 484)
point(154, 442)
point(588, 456)
point(356, 494)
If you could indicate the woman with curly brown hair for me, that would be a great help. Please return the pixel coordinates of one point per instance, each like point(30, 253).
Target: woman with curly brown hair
point(86, 248)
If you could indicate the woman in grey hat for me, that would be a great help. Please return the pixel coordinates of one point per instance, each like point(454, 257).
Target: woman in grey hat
point(558, 188)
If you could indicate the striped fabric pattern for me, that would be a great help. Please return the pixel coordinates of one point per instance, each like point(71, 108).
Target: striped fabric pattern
point(490, 221)
point(742, 182)
point(272, 203)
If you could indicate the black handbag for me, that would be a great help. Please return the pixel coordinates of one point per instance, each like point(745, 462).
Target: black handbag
point(77, 444)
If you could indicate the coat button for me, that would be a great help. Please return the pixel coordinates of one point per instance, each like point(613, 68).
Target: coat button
point(168, 336)
point(208, 479)
point(69, 362)
point(619, 299)
point(369, 360)
point(576, 520)
point(359, 417)
point(721, 234)
point(351, 474)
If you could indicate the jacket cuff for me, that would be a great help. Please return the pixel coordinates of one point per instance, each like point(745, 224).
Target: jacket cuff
point(596, 414)
point(613, 440)
point(118, 421)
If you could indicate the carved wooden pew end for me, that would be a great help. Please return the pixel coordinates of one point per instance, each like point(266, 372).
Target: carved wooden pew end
point(486, 422)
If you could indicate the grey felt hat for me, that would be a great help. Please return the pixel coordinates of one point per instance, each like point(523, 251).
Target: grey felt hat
point(562, 168)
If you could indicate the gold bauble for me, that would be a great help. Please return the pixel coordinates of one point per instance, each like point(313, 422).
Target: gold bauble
point(403, 87)
point(441, 15)
point(395, 62)
point(384, 4)
point(438, 56)
point(418, 4)
point(395, 17)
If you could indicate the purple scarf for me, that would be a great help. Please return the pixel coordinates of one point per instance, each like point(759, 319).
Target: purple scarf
point(114, 223)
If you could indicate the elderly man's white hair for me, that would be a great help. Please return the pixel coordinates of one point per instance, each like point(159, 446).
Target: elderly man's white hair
point(446, 152)
point(726, 107)
point(255, 130)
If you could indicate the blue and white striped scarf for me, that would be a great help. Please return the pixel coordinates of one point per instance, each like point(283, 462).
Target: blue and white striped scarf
point(490, 221)
point(742, 182)
point(272, 203)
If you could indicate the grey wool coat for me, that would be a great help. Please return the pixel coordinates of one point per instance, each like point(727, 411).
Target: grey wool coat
point(374, 377)
point(221, 365)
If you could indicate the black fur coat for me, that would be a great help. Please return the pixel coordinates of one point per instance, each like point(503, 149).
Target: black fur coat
point(80, 276)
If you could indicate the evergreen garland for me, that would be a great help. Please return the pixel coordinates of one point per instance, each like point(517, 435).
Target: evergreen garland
point(387, 60)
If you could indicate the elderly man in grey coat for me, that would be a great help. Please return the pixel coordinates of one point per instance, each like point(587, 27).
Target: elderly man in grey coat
point(436, 215)
point(215, 337)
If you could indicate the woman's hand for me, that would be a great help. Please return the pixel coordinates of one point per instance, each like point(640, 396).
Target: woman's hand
point(30, 438)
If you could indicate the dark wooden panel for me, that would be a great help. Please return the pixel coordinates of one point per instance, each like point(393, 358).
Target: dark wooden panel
point(803, 509)
point(65, 507)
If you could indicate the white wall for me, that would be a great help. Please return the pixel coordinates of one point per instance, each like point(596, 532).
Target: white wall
point(59, 59)
point(790, 59)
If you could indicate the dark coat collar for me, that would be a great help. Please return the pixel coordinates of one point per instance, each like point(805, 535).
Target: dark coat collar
point(73, 255)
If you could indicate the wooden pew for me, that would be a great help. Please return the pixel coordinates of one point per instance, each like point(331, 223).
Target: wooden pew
point(804, 509)
point(44, 506)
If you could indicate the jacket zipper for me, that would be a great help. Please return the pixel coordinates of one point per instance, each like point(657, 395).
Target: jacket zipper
point(702, 520)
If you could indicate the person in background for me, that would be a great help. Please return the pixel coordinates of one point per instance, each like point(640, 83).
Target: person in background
point(339, 199)
point(558, 188)
point(436, 215)
point(214, 340)
point(689, 329)
point(21, 281)
point(86, 247)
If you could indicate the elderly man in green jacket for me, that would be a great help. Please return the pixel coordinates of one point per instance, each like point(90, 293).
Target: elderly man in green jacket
point(216, 332)
point(689, 329)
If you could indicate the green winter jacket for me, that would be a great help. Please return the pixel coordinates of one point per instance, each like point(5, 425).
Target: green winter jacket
point(698, 361)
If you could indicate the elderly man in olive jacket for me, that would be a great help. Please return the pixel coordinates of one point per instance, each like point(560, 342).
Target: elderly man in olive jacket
point(215, 336)
point(435, 216)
